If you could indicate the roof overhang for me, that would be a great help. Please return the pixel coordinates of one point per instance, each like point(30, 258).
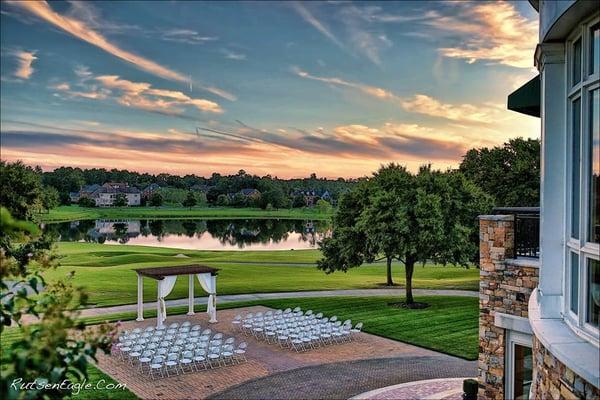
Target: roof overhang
point(159, 273)
point(526, 99)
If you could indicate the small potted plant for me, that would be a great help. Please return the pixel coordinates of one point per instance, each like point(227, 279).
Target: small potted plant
point(470, 388)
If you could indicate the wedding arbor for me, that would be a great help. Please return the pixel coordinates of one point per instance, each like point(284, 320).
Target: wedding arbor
point(166, 278)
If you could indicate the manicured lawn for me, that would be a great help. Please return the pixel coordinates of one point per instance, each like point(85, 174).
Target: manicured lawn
point(72, 213)
point(106, 272)
point(449, 325)
point(95, 376)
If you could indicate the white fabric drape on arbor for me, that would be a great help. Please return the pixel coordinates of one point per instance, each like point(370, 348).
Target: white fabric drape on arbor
point(165, 287)
point(209, 284)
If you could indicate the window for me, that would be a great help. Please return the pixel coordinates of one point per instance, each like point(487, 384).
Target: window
point(593, 296)
point(594, 49)
point(594, 139)
point(523, 367)
point(575, 165)
point(577, 62)
point(582, 277)
point(574, 282)
point(518, 365)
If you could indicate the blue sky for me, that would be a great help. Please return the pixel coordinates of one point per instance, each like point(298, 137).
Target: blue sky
point(284, 89)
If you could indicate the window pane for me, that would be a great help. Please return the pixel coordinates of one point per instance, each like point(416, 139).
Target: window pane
point(577, 61)
point(593, 302)
point(595, 49)
point(523, 372)
point(594, 212)
point(575, 163)
point(574, 282)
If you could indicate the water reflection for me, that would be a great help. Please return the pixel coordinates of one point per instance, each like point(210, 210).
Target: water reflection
point(254, 234)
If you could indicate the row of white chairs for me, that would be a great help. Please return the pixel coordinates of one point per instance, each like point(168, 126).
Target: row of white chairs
point(177, 349)
point(295, 329)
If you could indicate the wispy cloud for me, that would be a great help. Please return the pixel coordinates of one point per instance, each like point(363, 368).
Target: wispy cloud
point(81, 30)
point(25, 61)
point(140, 95)
point(92, 93)
point(187, 36)
point(143, 96)
point(231, 55)
point(365, 36)
point(367, 89)
point(490, 31)
point(419, 103)
point(428, 105)
point(317, 24)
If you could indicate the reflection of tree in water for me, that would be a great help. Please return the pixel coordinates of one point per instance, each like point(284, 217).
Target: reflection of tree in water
point(246, 232)
point(157, 229)
point(121, 232)
point(71, 231)
point(239, 233)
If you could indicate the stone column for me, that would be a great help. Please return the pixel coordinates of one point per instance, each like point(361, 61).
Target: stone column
point(496, 244)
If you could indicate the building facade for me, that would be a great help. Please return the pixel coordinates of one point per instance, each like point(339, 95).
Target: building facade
point(539, 335)
point(106, 195)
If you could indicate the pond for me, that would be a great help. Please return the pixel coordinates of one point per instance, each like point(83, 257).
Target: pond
point(196, 234)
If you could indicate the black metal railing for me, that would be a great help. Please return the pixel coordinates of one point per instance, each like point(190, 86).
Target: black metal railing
point(527, 229)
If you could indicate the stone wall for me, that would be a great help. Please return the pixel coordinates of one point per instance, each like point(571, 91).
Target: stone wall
point(505, 286)
point(553, 380)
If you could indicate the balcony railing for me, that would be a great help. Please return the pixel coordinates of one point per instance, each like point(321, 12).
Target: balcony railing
point(527, 229)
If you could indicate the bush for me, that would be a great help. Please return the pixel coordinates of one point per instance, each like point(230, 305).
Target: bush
point(86, 202)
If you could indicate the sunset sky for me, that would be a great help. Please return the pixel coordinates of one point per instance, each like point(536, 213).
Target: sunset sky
point(286, 89)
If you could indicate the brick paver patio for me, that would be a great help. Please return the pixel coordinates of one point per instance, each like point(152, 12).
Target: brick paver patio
point(266, 361)
point(430, 389)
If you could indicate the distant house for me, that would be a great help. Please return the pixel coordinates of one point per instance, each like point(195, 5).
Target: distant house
point(74, 197)
point(149, 190)
point(311, 196)
point(85, 191)
point(106, 195)
point(252, 193)
point(201, 188)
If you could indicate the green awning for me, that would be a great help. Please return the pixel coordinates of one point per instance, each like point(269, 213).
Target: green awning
point(526, 99)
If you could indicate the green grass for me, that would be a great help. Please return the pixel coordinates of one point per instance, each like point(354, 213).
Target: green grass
point(449, 325)
point(95, 375)
point(105, 271)
point(72, 213)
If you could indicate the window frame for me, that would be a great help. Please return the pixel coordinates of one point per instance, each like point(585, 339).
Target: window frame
point(513, 338)
point(584, 249)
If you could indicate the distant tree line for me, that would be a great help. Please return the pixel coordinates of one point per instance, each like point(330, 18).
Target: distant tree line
point(218, 189)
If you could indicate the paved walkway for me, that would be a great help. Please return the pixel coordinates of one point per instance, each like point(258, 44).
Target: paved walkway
point(92, 312)
point(346, 379)
point(430, 389)
point(331, 372)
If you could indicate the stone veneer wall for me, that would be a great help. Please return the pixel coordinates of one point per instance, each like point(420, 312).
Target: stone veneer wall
point(554, 380)
point(503, 287)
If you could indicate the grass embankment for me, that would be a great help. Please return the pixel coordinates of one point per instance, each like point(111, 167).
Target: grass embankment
point(449, 325)
point(72, 213)
point(105, 271)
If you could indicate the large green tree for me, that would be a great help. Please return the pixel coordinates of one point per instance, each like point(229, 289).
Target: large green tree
point(56, 349)
point(413, 218)
point(510, 173)
point(20, 189)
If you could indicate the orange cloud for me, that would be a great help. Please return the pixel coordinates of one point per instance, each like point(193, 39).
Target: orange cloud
point(428, 105)
point(493, 31)
point(141, 95)
point(25, 60)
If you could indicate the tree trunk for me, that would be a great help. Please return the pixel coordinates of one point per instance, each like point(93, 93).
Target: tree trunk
point(390, 282)
point(410, 268)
